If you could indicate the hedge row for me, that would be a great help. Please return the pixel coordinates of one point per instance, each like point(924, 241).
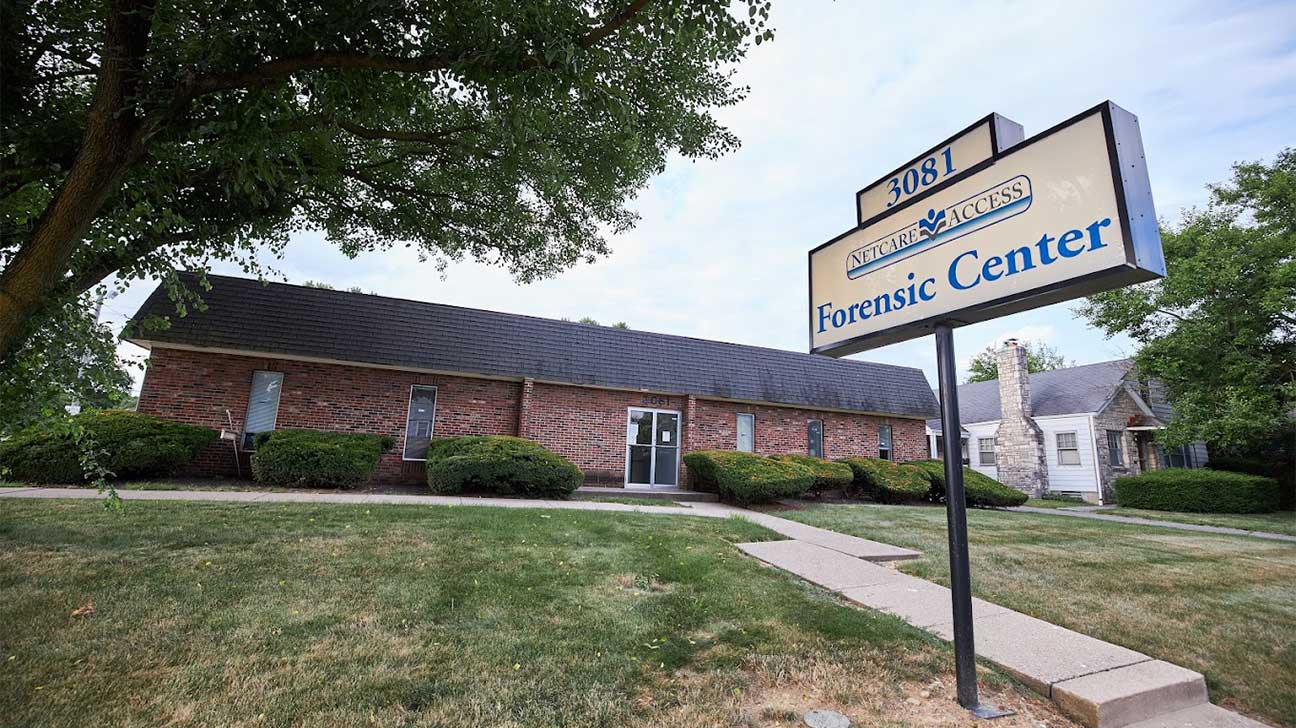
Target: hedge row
point(1199, 491)
point(828, 475)
point(889, 482)
point(1275, 465)
point(746, 478)
point(311, 458)
point(980, 490)
point(129, 445)
point(499, 464)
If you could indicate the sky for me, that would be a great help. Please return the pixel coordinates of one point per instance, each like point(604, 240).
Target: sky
point(845, 93)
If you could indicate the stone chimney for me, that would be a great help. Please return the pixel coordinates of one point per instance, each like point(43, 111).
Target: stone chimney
point(1019, 442)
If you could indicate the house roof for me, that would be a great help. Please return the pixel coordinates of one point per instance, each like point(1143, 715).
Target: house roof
point(297, 321)
point(1074, 390)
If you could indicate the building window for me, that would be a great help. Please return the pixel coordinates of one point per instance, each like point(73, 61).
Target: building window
point(884, 442)
point(418, 421)
point(814, 438)
point(1114, 455)
point(746, 433)
point(1068, 449)
point(263, 406)
point(985, 450)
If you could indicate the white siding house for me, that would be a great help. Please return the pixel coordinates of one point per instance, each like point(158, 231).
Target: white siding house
point(1088, 425)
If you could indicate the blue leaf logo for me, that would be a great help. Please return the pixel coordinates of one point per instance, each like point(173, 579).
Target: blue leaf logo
point(932, 224)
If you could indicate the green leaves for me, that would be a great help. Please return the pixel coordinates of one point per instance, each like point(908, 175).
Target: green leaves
point(510, 133)
point(1220, 329)
point(1040, 357)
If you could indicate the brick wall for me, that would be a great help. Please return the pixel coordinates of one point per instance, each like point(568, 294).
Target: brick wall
point(588, 426)
point(197, 387)
point(583, 424)
point(783, 430)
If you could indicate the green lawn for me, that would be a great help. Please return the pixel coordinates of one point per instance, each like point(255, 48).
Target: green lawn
point(1052, 503)
point(1222, 605)
point(218, 614)
point(1281, 522)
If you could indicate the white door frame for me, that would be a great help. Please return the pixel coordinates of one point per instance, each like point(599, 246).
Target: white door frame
point(652, 460)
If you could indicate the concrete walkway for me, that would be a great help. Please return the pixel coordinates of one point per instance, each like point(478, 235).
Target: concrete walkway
point(1100, 685)
point(1094, 514)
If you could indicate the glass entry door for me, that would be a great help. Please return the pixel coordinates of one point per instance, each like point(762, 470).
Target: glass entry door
point(652, 448)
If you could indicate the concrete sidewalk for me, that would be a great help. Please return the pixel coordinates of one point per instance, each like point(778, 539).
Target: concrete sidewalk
point(1098, 684)
point(1095, 515)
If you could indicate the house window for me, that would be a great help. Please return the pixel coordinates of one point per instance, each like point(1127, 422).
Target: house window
point(1068, 449)
point(263, 406)
point(418, 421)
point(985, 450)
point(814, 438)
point(1114, 456)
point(884, 442)
point(746, 433)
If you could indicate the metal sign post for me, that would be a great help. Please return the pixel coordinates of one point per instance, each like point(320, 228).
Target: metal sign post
point(956, 523)
point(983, 225)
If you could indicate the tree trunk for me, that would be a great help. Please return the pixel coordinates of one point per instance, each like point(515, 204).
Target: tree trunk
point(113, 141)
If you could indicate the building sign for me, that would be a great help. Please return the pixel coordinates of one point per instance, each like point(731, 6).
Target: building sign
point(1064, 214)
point(962, 152)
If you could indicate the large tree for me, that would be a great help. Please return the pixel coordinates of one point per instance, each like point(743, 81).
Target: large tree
point(141, 137)
point(1220, 329)
point(1040, 357)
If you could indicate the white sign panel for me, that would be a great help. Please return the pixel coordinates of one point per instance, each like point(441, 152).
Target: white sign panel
point(1061, 215)
point(962, 152)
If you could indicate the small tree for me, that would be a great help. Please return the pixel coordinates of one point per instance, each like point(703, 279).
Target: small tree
point(1219, 331)
point(1040, 357)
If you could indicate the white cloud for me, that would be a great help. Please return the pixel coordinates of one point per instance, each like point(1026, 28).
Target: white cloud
point(847, 92)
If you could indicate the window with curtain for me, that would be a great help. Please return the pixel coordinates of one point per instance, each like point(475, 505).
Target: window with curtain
point(985, 450)
point(814, 438)
point(1114, 454)
point(418, 421)
point(263, 406)
point(1068, 449)
point(746, 433)
point(884, 442)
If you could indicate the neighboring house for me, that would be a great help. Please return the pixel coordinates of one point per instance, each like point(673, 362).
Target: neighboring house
point(1070, 431)
point(623, 405)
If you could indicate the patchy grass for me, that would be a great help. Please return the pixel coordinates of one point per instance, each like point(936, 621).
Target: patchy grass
point(1222, 605)
point(220, 614)
point(1280, 522)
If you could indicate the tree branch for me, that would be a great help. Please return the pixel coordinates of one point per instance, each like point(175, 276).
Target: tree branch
point(613, 24)
point(394, 135)
point(273, 71)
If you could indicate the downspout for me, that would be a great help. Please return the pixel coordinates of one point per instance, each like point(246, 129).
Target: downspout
point(1093, 439)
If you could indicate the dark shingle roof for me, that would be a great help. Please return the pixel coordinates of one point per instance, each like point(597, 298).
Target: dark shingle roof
point(292, 320)
point(1075, 390)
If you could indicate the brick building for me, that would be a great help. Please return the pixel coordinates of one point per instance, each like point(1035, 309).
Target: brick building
point(1071, 431)
point(623, 405)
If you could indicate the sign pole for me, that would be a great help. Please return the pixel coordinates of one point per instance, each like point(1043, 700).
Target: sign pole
point(956, 523)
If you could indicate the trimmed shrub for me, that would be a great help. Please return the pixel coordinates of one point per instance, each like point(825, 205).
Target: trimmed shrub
point(888, 482)
point(745, 478)
point(1275, 465)
point(499, 464)
point(131, 445)
point(1198, 491)
point(981, 491)
point(311, 458)
point(828, 475)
